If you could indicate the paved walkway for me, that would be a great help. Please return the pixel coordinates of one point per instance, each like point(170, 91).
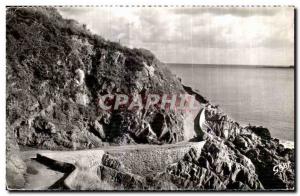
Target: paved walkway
point(79, 168)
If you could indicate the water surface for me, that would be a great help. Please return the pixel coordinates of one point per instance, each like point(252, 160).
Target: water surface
point(259, 96)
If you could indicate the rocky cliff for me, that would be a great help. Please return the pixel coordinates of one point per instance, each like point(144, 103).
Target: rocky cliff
point(57, 71)
point(44, 55)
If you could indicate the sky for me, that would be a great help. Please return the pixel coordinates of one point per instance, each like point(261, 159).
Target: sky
point(199, 35)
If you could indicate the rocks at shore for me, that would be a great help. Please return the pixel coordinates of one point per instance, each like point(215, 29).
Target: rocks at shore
point(273, 164)
point(217, 168)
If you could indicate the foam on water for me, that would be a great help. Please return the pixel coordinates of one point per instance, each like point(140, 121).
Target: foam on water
point(287, 144)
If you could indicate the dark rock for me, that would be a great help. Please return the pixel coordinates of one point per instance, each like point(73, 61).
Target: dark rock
point(55, 165)
point(238, 186)
point(118, 179)
point(221, 166)
point(198, 97)
point(264, 133)
point(240, 142)
point(230, 167)
point(255, 143)
point(189, 176)
point(111, 162)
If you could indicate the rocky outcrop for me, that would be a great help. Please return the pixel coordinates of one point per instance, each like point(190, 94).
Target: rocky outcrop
point(273, 164)
point(120, 180)
point(216, 168)
point(198, 97)
point(73, 69)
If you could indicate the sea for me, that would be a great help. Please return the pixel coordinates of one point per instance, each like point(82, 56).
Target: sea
point(261, 96)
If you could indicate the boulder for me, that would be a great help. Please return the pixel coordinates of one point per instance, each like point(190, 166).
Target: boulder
point(111, 162)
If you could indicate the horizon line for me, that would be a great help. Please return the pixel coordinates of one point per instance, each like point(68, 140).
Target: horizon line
point(235, 65)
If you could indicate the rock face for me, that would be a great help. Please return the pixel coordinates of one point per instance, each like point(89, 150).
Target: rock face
point(15, 166)
point(217, 168)
point(255, 146)
point(57, 72)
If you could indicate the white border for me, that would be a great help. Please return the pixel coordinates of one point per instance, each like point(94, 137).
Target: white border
point(296, 3)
